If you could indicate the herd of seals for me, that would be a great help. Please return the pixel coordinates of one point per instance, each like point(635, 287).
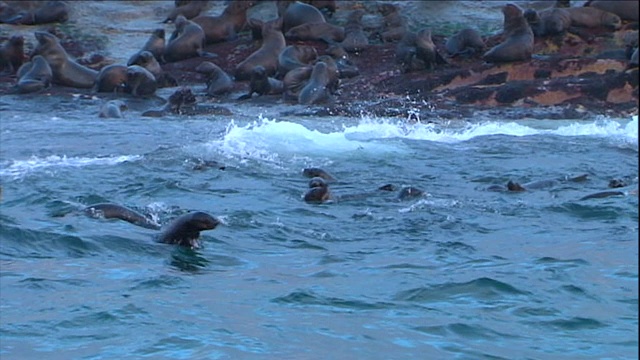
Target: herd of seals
point(282, 65)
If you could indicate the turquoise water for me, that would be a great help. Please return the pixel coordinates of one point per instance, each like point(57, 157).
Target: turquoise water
point(460, 272)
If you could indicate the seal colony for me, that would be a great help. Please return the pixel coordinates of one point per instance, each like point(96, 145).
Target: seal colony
point(449, 73)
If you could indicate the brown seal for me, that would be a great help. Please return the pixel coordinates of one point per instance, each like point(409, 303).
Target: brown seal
point(34, 76)
point(113, 109)
point(314, 172)
point(518, 38)
point(625, 9)
point(185, 230)
point(187, 41)
point(548, 22)
point(149, 62)
point(355, 39)
point(406, 53)
point(316, 90)
point(294, 81)
point(273, 43)
point(295, 13)
point(591, 17)
point(218, 81)
point(50, 12)
point(426, 50)
point(465, 42)
point(111, 78)
point(318, 191)
point(262, 84)
point(227, 25)
point(332, 70)
point(324, 31)
point(140, 82)
point(181, 100)
point(12, 54)
point(189, 10)
point(395, 24)
point(155, 45)
point(295, 56)
point(66, 71)
point(115, 211)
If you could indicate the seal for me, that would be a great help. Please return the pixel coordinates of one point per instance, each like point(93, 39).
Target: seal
point(395, 24)
point(591, 17)
point(115, 211)
point(113, 109)
point(324, 31)
point(273, 43)
point(294, 81)
point(316, 90)
point(295, 56)
point(66, 72)
point(406, 53)
point(155, 45)
point(176, 103)
point(541, 184)
point(346, 68)
point(465, 43)
point(187, 41)
point(111, 78)
point(318, 191)
point(218, 81)
point(314, 172)
point(226, 26)
point(149, 62)
point(297, 13)
point(355, 39)
point(50, 12)
point(627, 10)
point(140, 82)
point(12, 54)
point(548, 22)
point(602, 194)
point(34, 76)
point(185, 230)
point(518, 38)
point(409, 192)
point(426, 50)
point(262, 84)
point(189, 10)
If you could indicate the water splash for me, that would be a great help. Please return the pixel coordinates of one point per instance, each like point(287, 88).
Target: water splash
point(18, 168)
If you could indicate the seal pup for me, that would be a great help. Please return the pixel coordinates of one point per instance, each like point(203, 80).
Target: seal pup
point(295, 56)
point(297, 13)
point(187, 41)
point(34, 76)
point(185, 229)
point(355, 39)
point(12, 54)
point(273, 43)
point(465, 42)
point(316, 90)
point(314, 172)
point(217, 80)
point(189, 10)
point(518, 38)
point(625, 9)
point(113, 109)
point(140, 82)
point(226, 26)
point(66, 72)
point(324, 31)
point(115, 211)
point(426, 50)
point(149, 62)
point(111, 78)
point(262, 84)
point(155, 45)
point(318, 191)
point(50, 12)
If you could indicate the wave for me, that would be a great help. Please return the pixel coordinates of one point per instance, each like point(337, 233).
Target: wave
point(19, 168)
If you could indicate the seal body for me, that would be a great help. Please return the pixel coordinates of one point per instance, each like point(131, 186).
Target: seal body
point(518, 38)
point(34, 76)
point(591, 17)
point(227, 25)
point(155, 45)
point(294, 81)
point(12, 54)
point(298, 13)
point(49, 12)
point(316, 90)
point(140, 82)
point(189, 10)
point(66, 72)
point(262, 84)
point(324, 31)
point(318, 191)
point(187, 41)
point(625, 9)
point(355, 39)
point(426, 50)
point(115, 211)
point(185, 230)
point(548, 22)
point(273, 43)
point(111, 78)
point(295, 56)
point(395, 24)
point(465, 42)
point(149, 62)
point(218, 81)
point(314, 172)
point(113, 109)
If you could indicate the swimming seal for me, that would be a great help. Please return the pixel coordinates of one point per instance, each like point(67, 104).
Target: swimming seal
point(111, 78)
point(113, 109)
point(542, 184)
point(518, 38)
point(602, 195)
point(226, 26)
point(313, 172)
point(66, 72)
point(115, 211)
point(185, 230)
point(627, 10)
point(177, 102)
point(316, 90)
point(262, 84)
point(155, 45)
point(295, 56)
point(218, 81)
point(465, 42)
point(318, 191)
point(189, 10)
point(186, 41)
point(34, 76)
point(273, 43)
point(409, 192)
point(140, 82)
point(12, 54)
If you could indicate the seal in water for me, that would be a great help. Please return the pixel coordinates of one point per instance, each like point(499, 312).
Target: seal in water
point(66, 72)
point(113, 109)
point(226, 26)
point(185, 230)
point(218, 81)
point(318, 191)
point(313, 172)
point(602, 194)
point(12, 54)
point(273, 43)
point(115, 211)
point(518, 38)
point(541, 184)
point(34, 76)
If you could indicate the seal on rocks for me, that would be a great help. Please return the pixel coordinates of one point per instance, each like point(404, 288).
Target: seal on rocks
point(226, 26)
point(262, 84)
point(12, 54)
point(218, 81)
point(273, 43)
point(34, 76)
point(66, 71)
point(111, 78)
point(465, 42)
point(518, 38)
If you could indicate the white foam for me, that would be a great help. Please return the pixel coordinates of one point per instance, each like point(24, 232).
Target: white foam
point(19, 168)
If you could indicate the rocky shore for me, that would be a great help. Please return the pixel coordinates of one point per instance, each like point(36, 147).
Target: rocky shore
point(570, 77)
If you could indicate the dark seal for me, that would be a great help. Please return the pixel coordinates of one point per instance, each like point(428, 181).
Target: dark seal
point(66, 71)
point(217, 80)
point(518, 38)
point(185, 230)
point(115, 211)
point(34, 76)
point(12, 54)
point(273, 43)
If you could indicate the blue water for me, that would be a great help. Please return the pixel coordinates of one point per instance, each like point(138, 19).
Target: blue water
point(460, 272)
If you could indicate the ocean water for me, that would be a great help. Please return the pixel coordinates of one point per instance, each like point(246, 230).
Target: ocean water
point(457, 273)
